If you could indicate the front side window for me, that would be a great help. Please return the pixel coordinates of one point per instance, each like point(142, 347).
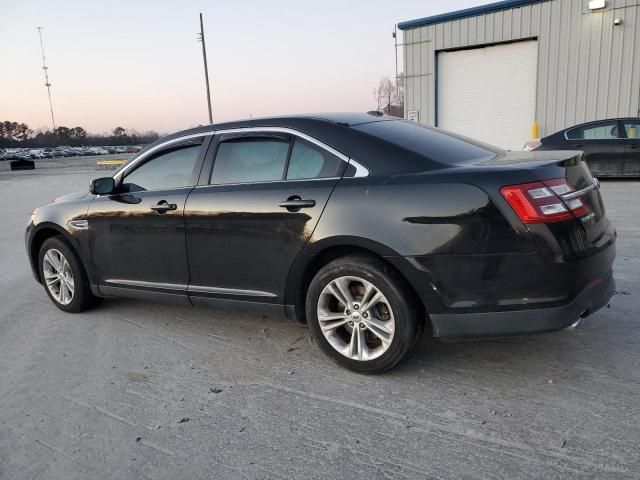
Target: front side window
point(170, 169)
point(598, 131)
point(244, 160)
point(308, 161)
point(632, 128)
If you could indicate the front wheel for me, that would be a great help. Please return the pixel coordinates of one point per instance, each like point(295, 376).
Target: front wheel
point(362, 314)
point(63, 276)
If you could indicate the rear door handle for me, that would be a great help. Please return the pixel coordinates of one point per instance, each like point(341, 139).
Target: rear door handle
point(578, 145)
point(634, 146)
point(295, 203)
point(162, 207)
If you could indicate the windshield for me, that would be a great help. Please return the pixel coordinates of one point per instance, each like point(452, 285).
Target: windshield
point(435, 144)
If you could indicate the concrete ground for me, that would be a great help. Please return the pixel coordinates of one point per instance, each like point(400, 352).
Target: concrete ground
point(143, 390)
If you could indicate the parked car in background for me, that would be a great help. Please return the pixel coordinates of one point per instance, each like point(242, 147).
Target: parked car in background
point(16, 154)
point(96, 151)
point(62, 151)
point(363, 226)
point(36, 153)
point(611, 147)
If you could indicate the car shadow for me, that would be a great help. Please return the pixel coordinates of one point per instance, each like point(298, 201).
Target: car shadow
point(520, 357)
point(544, 354)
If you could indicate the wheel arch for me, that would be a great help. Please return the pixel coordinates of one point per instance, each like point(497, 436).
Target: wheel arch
point(43, 232)
point(308, 264)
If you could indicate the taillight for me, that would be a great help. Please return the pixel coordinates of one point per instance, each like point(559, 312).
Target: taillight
point(532, 145)
point(541, 202)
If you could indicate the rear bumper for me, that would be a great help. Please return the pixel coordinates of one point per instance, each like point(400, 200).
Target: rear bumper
point(523, 322)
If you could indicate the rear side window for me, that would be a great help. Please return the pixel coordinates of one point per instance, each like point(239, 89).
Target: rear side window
point(307, 161)
point(432, 143)
point(247, 160)
point(598, 131)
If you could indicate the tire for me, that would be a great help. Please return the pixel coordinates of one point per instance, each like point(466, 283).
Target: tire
point(395, 316)
point(73, 292)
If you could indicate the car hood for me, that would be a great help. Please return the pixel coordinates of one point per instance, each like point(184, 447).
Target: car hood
point(71, 197)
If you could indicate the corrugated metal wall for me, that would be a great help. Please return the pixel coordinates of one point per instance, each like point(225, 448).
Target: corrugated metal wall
point(588, 68)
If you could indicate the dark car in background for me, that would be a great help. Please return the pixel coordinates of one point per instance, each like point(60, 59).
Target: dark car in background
point(365, 227)
point(611, 147)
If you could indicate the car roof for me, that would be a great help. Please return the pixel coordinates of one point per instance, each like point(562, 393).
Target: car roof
point(334, 129)
point(346, 119)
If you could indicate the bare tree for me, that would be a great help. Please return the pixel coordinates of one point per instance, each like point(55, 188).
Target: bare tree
point(390, 97)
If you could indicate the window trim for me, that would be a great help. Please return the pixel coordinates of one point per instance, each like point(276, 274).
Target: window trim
point(361, 171)
point(143, 157)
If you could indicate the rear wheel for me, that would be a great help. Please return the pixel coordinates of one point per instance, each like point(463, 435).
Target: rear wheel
point(63, 277)
point(362, 314)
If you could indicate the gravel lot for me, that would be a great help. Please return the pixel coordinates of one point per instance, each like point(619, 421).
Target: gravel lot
point(143, 390)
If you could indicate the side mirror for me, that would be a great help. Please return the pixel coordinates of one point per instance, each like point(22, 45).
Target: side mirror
point(102, 186)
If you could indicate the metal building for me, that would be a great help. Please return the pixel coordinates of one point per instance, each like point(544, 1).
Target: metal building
point(499, 72)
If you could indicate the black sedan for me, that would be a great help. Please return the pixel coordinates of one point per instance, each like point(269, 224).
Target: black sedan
point(365, 227)
point(611, 147)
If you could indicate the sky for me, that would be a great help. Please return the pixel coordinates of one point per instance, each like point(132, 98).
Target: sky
point(138, 64)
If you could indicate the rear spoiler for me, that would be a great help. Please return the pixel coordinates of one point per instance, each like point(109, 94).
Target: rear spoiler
point(543, 156)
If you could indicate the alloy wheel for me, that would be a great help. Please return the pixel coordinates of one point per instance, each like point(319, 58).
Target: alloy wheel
point(58, 276)
point(356, 318)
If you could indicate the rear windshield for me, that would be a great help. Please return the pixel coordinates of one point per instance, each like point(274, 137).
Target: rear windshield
point(437, 145)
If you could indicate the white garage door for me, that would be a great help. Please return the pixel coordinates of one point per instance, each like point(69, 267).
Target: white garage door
point(489, 93)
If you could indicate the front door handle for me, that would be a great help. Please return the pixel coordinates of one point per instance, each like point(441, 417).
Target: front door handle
point(578, 145)
point(634, 146)
point(295, 203)
point(162, 207)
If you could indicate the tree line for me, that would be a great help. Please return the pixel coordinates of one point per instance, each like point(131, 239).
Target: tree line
point(16, 134)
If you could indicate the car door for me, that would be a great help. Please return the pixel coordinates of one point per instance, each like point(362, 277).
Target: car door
point(631, 129)
point(137, 235)
point(602, 145)
point(248, 221)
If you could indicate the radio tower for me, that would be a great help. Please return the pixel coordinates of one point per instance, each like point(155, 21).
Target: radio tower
point(46, 76)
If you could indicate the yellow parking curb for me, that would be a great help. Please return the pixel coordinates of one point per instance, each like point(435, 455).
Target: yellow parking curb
point(110, 163)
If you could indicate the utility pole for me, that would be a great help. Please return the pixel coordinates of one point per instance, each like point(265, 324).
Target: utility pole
point(395, 39)
point(46, 77)
point(206, 69)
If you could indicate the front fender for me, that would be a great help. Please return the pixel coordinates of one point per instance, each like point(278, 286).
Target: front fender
point(54, 219)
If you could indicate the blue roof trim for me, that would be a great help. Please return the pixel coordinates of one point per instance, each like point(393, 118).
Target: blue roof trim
point(467, 12)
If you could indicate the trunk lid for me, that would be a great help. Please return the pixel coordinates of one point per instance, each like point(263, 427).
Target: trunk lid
point(594, 219)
